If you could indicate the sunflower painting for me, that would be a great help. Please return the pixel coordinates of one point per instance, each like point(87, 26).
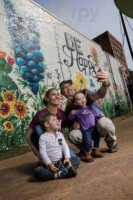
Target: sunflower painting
point(14, 116)
point(8, 126)
point(14, 113)
point(19, 109)
point(80, 82)
point(9, 96)
point(5, 110)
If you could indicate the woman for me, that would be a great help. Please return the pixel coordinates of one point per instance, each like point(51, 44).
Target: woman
point(51, 101)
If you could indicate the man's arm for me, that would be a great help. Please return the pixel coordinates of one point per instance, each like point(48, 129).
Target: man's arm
point(102, 77)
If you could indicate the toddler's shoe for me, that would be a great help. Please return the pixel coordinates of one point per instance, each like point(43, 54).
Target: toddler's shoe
point(97, 154)
point(67, 172)
point(71, 171)
point(62, 172)
point(88, 157)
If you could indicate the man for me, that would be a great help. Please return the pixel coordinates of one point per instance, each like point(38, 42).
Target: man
point(105, 126)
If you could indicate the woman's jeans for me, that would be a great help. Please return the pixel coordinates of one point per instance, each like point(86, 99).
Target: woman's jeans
point(38, 131)
point(89, 135)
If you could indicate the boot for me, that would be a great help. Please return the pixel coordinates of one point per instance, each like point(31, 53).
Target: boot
point(81, 154)
point(97, 153)
point(88, 157)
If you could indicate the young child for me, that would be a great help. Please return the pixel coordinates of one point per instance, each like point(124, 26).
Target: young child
point(86, 117)
point(54, 151)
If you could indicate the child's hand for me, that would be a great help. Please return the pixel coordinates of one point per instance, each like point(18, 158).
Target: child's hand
point(53, 168)
point(67, 161)
point(76, 125)
point(73, 112)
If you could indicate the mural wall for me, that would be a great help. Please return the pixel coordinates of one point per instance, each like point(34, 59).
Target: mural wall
point(37, 51)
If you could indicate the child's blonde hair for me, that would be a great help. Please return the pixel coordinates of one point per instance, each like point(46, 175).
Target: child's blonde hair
point(45, 118)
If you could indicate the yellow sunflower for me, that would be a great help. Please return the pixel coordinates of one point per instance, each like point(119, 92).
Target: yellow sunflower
point(75, 86)
point(8, 126)
point(9, 96)
point(80, 82)
point(5, 110)
point(19, 109)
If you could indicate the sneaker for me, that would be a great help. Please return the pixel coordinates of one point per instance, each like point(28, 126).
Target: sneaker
point(67, 172)
point(88, 157)
point(113, 149)
point(71, 171)
point(62, 173)
point(97, 154)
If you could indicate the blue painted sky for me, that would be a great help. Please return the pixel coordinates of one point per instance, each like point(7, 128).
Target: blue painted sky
point(91, 18)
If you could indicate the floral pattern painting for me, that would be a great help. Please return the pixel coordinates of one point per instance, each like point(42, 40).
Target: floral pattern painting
point(26, 45)
point(80, 82)
point(14, 113)
point(13, 118)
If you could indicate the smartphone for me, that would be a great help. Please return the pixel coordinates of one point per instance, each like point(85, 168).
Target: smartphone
point(99, 70)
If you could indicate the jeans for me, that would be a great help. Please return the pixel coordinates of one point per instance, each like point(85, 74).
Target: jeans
point(38, 131)
point(43, 173)
point(105, 128)
point(90, 134)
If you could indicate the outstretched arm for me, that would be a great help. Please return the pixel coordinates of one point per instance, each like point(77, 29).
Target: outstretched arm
point(102, 77)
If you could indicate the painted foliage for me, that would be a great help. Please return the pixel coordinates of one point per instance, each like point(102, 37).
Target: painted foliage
point(26, 46)
point(13, 109)
point(37, 51)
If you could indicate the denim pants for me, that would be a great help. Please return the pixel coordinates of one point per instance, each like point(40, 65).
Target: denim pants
point(38, 131)
point(89, 135)
point(105, 128)
point(43, 173)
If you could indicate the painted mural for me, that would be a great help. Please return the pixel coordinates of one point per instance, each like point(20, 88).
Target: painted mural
point(26, 46)
point(13, 106)
point(39, 53)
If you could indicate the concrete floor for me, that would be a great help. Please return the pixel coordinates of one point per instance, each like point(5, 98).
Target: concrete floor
point(108, 178)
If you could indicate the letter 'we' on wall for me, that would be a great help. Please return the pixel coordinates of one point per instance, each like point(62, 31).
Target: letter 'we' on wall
point(38, 51)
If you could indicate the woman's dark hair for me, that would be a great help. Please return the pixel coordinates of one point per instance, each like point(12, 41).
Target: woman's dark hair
point(45, 102)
